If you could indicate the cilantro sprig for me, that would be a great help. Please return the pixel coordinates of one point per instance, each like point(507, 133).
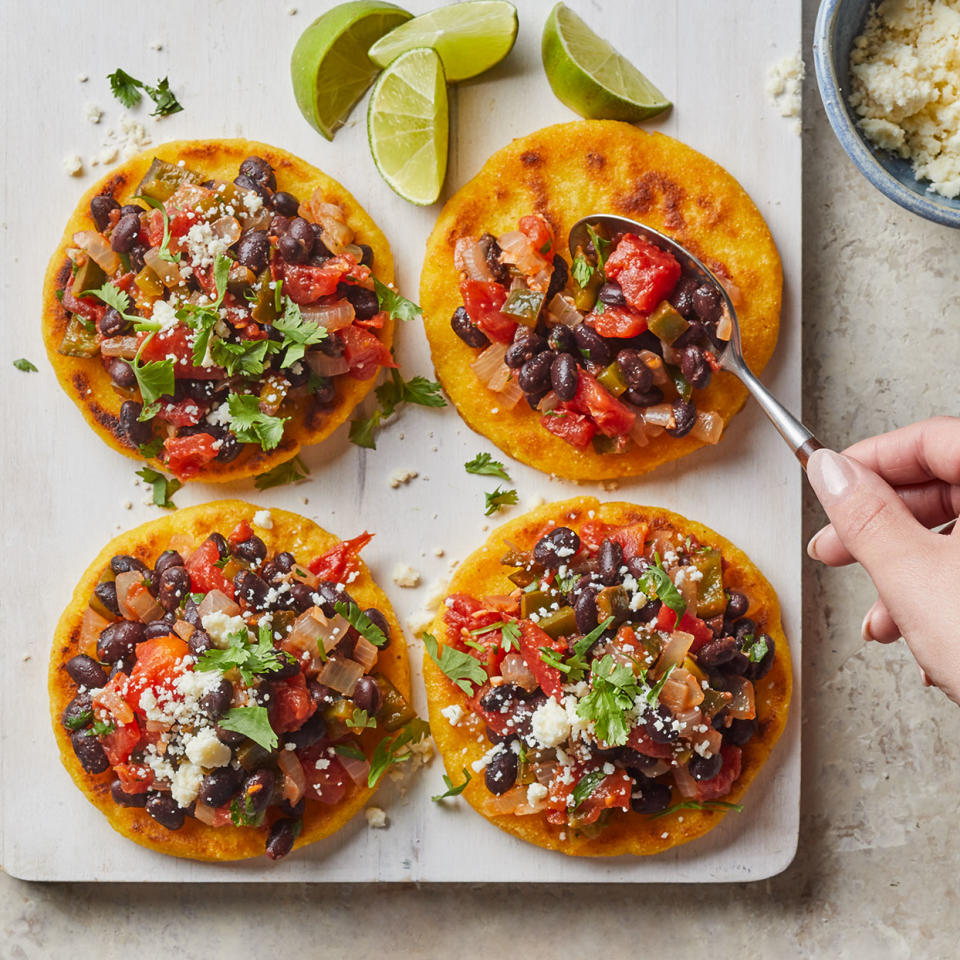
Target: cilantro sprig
point(391, 394)
point(462, 668)
point(250, 658)
point(293, 471)
point(361, 623)
point(252, 722)
point(163, 487)
point(614, 688)
point(250, 425)
point(509, 635)
point(484, 465)
point(497, 499)
point(22, 363)
point(657, 580)
point(393, 751)
point(585, 786)
point(755, 648)
point(127, 90)
point(453, 790)
point(582, 270)
point(698, 805)
point(361, 720)
point(164, 252)
point(400, 308)
point(298, 333)
point(601, 245)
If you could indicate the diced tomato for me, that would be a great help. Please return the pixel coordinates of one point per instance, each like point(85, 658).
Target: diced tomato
point(464, 612)
point(134, 777)
point(375, 322)
point(702, 634)
point(112, 699)
point(157, 662)
point(242, 531)
point(182, 413)
point(632, 537)
point(181, 221)
point(501, 722)
point(175, 343)
point(340, 561)
point(364, 352)
point(327, 781)
point(185, 456)
point(617, 322)
point(638, 739)
point(290, 704)
point(119, 744)
point(719, 786)
point(613, 791)
point(205, 575)
point(575, 428)
point(151, 229)
point(613, 419)
point(86, 307)
point(532, 641)
point(482, 301)
point(538, 230)
point(305, 283)
point(646, 273)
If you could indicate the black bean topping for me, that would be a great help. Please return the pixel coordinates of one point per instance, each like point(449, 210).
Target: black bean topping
point(112, 324)
point(253, 250)
point(707, 303)
point(737, 605)
point(365, 303)
point(381, 621)
point(286, 204)
point(89, 752)
point(649, 796)
point(556, 548)
point(219, 786)
point(591, 345)
point(366, 696)
point(106, 593)
point(535, 374)
point(216, 702)
point(564, 376)
point(611, 294)
point(739, 731)
point(169, 558)
point(705, 768)
point(101, 206)
point(173, 587)
point(561, 339)
point(501, 772)
point(86, 672)
point(137, 433)
point(252, 550)
point(611, 560)
point(281, 838)
point(117, 641)
point(558, 279)
point(125, 232)
point(124, 799)
point(684, 416)
point(78, 712)
point(120, 372)
point(165, 810)
point(585, 610)
point(525, 346)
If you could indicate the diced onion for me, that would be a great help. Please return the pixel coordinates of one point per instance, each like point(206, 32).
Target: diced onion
point(688, 590)
point(294, 779)
point(334, 232)
point(340, 675)
point(670, 355)
point(96, 247)
point(469, 256)
point(357, 770)
point(518, 249)
point(217, 602)
point(513, 801)
point(324, 366)
point(733, 291)
point(125, 347)
point(365, 653)
point(743, 705)
point(168, 272)
point(490, 368)
point(725, 325)
point(687, 721)
point(136, 604)
point(333, 316)
point(206, 814)
point(686, 785)
point(659, 415)
point(674, 694)
point(183, 629)
point(562, 310)
point(550, 401)
point(227, 229)
point(510, 395)
point(709, 426)
point(673, 653)
point(545, 772)
point(108, 698)
point(313, 628)
point(655, 365)
point(639, 431)
point(91, 627)
point(514, 669)
point(695, 690)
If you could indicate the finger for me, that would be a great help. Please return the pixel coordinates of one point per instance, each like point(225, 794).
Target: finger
point(870, 519)
point(926, 450)
point(932, 503)
point(879, 626)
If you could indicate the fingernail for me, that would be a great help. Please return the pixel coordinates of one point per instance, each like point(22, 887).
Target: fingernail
point(865, 628)
point(831, 475)
point(812, 546)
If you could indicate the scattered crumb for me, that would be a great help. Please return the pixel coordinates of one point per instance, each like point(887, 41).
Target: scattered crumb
point(263, 520)
point(156, 45)
point(127, 504)
point(418, 621)
point(92, 112)
point(785, 87)
point(485, 527)
point(609, 485)
point(401, 476)
point(438, 551)
point(291, 11)
point(406, 576)
point(376, 818)
point(26, 657)
point(535, 501)
point(72, 165)
point(304, 500)
point(399, 436)
point(131, 138)
point(82, 78)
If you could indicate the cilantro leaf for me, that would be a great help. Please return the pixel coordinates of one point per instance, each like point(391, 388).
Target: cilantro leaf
point(298, 333)
point(391, 393)
point(509, 633)
point(250, 658)
point(164, 101)
point(113, 296)
point(350, 750)
point(163, 487)
point(252, 722)
point(245, 816)
point(613, 688)
point(360, 720)
point(247, 358)
point(293, 471)
point(361, 623)
point(601, 245)
point(400, 308)
point(698, 805)
point(125, 88)
point(657, 579)
point(151, 449)
point(585, 786)
point(582, 270)
point(164, 252)
point(362, 430)
point(653, 694)
point(755, 649)
point(250, 425)
point(462, 668)
point(388, 752)
point(103, 727)
point(154, 379)
point(484, 465)
point(553, 659)
point(498, 499)
point(25, 365)
point(453, 791)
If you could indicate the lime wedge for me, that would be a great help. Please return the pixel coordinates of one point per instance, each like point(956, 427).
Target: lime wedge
point(470, 37)
point(590, 77)
point(330, 67)
point(408, 125)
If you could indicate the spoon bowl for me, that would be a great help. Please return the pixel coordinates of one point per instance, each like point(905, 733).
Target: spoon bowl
point(800, 440)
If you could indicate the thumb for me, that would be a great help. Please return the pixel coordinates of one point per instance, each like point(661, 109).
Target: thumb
point(871, 520)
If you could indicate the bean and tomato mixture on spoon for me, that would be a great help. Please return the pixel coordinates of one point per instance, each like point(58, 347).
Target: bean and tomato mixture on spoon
point(618, 675)
point(231, 686)
point(610, 352)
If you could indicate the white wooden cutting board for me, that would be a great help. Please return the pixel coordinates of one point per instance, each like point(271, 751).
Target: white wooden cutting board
point(63, 491)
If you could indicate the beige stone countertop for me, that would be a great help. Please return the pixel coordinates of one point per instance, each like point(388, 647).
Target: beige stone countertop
point(876, 871)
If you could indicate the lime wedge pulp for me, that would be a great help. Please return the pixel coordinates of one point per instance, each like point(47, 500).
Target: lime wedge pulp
point(408, 125)
point(470, 37)
point(590, 77)
point(330, 68)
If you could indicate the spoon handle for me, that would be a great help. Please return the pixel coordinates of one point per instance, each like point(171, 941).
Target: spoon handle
point(800, 440)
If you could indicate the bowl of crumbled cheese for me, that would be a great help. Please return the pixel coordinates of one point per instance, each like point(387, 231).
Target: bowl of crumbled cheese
point(889, 77)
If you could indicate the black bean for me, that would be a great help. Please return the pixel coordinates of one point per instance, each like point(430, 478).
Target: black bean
point(252, 550)
point(331, 593)
point(191, 613)
point(286, 204)
point(223, 548)
point(324, 392)
point(381, 621)
point(466, 330)
point(682, 297)
point(491, 255)
point(558, 279)
point(611, 560)
point(556, 547)
point(129, 208)
point(258, 170)
point(165, 810)
point(564, 376)
point(592, 346)
point(124, 563)
point(118, 640)
point(173, 587)
point(106, 593)
point(284, 561)
point(157, 628)
point(759, 669)
point(281, 838)
point(302, 231)
point(230, 447)
point(694, 366)
point(112, 324)
point(125, 233)
point(561, 339)
point(253, 250)
point(135, 253)
point(121, 373)
point(89, 752)
point(649, 796)
point(256, 791)
point(495, 737)
point(136, 432)
point(251, 589)
point(101, 206)
point(646, 398)
point(299, 597)
point(717, 652)
point(78, 712)
point(124, 799)
point(289, 666)
point(737, 605)
point(707, 302)
point(659, 726)
point(216, 702)
point(501, 772)
point(684, 416)
point(636, 374)
point(229, 737)
point(365, 303)
point(692, 336)
point(534, 375)
point(219, 786)
point(525, 346)
point(86, 672)
point(279, 226)
point(331, 346)
point(313, 731)
point(585, 610)
point(502, 699)
point(740, 731)
point(648, 611)
point(704, 768)
point(169, 558)
point(611, 294)
point(366, 254)
point(366, 696)
point(292, 250)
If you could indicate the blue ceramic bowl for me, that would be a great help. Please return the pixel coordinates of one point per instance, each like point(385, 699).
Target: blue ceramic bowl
point(838, 23)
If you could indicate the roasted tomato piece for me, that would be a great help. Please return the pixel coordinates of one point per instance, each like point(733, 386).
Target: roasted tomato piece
point(463, 612)
point(612, 792)
point(327, 781)
point(242, 531)
point(613, 418)
point(646, 273)
point(182, 413)
point(205, 575)
point(157, 665)
point(639, 740)
point(632, 537)
point(85, 307)
point(176, 343)
point(186, 455)
point(339, 562)
point(576, 428)
point(482, 301)
point(617, 322)
point(702, 634)
point(120, 742)
point(134, 777)
point(364, 352)
point(719, 786)
point(532, 641)
point(539, 233)
point(290, 703)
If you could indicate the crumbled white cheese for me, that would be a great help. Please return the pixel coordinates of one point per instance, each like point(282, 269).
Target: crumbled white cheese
point(453, 713)
point(550, 724)
point(219, 626)
point(72, 165)
point(206, 750)
point(536, 795)
point(164, 314)
point(399, 477)
point(785, 87)
point(92, 112)
point(376, 818)
point(263, 520)
point(406, 576)
point(186, 783)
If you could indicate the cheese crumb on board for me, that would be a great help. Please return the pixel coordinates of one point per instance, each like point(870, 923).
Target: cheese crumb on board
point(376, 817)
point(72, 165)
point(92, 112)
point(263, 520)
point(903, 71)
point(406, 576)
point(785, 87)
point(399, 477)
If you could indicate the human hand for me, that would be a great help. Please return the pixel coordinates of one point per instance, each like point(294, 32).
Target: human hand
point(883, 495)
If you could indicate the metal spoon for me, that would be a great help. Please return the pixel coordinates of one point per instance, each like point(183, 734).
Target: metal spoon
point(800, 440)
